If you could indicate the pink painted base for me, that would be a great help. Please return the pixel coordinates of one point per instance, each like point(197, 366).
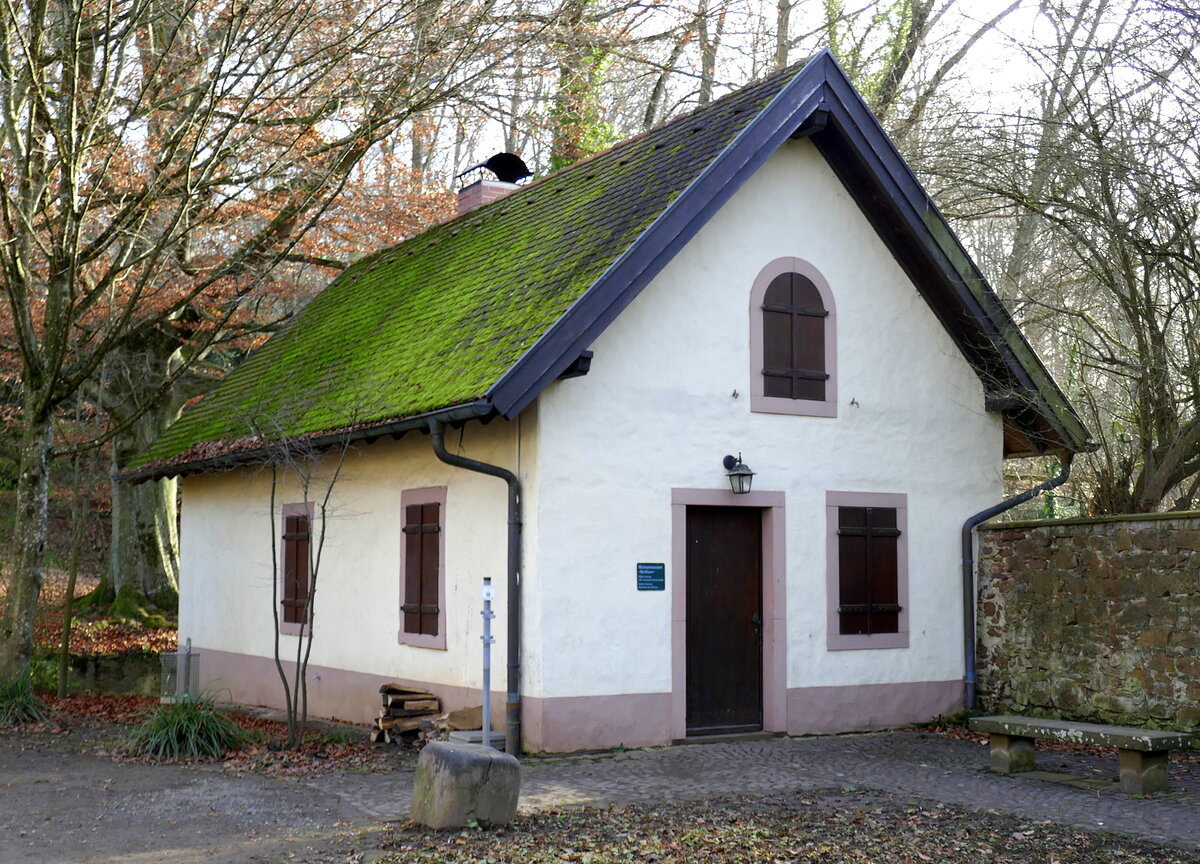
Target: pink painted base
point(565, 724)
point(332, 693)
point(597, 722)
point(822, 710)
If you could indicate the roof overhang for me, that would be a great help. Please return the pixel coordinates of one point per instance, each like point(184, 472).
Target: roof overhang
point(257, 452)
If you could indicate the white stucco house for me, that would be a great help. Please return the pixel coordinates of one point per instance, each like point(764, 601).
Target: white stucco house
point(543, 391)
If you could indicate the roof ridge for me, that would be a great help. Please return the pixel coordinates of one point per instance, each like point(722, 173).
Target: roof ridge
point(481, 211)
point(786, 71)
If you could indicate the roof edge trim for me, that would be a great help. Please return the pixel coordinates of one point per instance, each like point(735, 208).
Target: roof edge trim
point(160, 471)
point(860, 130)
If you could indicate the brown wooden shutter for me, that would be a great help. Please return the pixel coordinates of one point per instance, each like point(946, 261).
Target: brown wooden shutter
point(296, 539)
point(868, 570)
point(794, 339)
point(422, 525)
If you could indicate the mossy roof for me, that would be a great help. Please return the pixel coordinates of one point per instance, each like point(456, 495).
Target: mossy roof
point(475, 316)
point(437, 320)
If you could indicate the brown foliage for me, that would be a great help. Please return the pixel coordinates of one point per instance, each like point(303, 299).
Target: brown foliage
point(92, 633)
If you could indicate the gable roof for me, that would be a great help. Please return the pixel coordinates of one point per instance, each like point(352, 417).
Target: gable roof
point(475, 317)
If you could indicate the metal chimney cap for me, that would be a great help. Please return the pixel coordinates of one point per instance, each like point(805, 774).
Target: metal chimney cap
point(508, 168)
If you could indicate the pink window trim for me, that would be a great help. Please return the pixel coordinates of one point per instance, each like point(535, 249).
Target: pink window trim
point(291, 628)
point(835, 641)
point(774, 578)
point(778, 404)
point(409, 497)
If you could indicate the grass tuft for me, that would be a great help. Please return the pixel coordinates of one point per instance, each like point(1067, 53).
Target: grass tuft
point(18, 704)
point(189, 729)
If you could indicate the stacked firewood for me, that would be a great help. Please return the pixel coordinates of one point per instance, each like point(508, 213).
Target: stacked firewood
point(403, 710)
point(439, 727)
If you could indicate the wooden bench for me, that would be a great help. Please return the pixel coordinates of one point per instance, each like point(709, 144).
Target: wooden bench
point(1143, 752)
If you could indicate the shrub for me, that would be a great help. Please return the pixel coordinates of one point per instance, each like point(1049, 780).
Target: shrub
point(18, 704)
point(43, 674)
point(188, 729)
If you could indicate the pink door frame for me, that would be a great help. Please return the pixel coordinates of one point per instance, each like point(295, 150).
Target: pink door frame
point(774, 578)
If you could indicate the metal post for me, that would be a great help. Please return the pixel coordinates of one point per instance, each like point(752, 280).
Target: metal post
point(489, 594)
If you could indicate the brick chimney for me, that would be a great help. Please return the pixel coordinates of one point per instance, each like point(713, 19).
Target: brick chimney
point(482, 192)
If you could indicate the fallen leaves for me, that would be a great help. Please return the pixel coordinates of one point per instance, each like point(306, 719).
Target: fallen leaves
point(91, 633)
point(315, 756)
point(102, 707)
point(320, 753)
point(869, 828)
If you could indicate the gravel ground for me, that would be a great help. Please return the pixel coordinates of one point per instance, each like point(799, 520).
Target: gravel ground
point(60, 805)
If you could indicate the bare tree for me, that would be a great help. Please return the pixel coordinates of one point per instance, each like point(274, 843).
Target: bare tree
point(1100, 189)
point(309, 473)
point(160, 157)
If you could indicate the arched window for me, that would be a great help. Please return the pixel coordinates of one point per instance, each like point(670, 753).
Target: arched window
point(792, 341)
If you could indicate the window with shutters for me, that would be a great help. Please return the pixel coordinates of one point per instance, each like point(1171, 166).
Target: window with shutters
point(422, 568)
point(295, 568)
point(792, 341)
point(867, 578)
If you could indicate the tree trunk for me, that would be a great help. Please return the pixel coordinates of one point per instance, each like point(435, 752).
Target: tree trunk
point(783, 32)
point(577, 127)
point(710, 31)
point(144, 542)
point(144, 555)
point(143, 559)
point(30, 532)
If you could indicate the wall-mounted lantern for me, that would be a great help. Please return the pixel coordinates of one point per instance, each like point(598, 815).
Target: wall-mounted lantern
point(739, 474)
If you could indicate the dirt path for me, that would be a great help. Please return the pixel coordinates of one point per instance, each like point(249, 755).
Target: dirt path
point(59, 805)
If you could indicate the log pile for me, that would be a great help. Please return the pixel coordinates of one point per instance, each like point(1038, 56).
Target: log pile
point(439, 727)
point(402, 712)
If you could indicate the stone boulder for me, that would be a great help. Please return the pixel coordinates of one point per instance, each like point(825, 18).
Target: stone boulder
point(457, 784)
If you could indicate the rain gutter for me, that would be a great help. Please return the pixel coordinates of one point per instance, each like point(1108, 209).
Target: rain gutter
point(512, 735)
point(968, 569)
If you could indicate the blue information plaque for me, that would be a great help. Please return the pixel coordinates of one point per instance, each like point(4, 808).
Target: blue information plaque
point(652, 577)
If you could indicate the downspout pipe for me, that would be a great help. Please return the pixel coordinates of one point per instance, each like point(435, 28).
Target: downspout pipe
point(512, 734)
point(968, 569)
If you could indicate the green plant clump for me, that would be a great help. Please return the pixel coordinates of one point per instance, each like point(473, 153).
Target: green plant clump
point(43, 674)
point(18, 704)
point(189, 729)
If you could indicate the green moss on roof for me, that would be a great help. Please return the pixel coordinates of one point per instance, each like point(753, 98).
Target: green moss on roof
point(436, 321)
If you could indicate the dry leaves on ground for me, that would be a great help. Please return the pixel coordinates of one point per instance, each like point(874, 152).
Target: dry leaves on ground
point(91, 632)
point(804, 828)
point(322, 752)
point(102, 707)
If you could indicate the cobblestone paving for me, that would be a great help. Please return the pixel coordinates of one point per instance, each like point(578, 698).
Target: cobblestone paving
point(911, 764)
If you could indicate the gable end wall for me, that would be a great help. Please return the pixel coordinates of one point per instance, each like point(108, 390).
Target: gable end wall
point(668, 395)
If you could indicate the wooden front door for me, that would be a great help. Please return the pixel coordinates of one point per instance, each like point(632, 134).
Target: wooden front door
point(724, 620)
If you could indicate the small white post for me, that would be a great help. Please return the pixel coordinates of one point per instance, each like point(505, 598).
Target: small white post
point(489, 594)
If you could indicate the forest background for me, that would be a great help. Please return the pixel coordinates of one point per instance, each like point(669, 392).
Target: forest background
point(181, 176)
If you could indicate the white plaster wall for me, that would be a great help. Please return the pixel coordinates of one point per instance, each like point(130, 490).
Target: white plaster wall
point(226, 557)
point(668, 395)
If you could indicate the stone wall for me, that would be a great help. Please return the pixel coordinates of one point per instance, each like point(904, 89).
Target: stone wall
point(1093, 619)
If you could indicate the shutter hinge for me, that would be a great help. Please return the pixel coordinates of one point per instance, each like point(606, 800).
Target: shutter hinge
point(868, 608)
point(420, 608)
